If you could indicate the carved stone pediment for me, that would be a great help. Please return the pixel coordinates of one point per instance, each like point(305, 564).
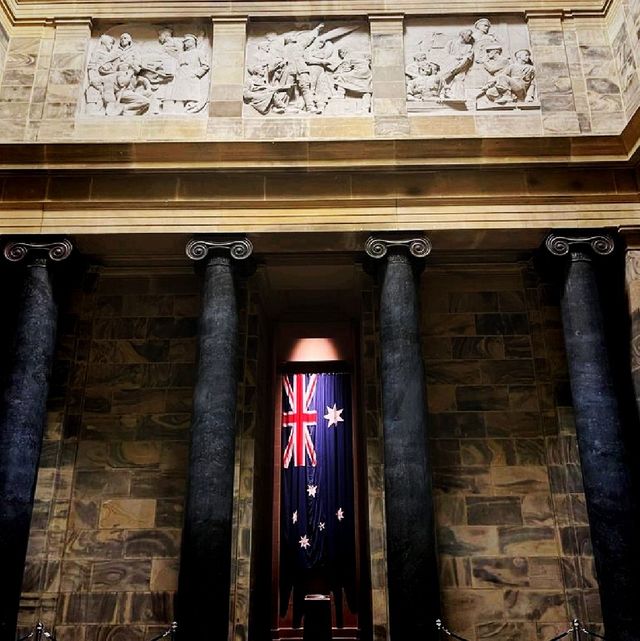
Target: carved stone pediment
point(148, 70)
point(469, 65)
point(308, 69)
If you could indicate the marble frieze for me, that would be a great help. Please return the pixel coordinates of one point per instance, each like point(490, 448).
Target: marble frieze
point(308, 69)
point(463, 64)
point(148, 70)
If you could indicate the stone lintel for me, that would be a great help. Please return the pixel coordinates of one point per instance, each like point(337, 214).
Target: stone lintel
point(386, 22)
point(231, 20)
point(631, 237)
point(79, 25)
point(543, 18)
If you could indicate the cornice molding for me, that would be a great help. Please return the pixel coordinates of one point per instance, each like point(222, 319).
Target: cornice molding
point(31, 12)
point(403, 153)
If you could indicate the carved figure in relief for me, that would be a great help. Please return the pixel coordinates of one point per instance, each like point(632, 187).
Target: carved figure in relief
point(427, 85)
point(353, 75)
point(101, 65)
point(472, 70)
point(129, 93)
point(513, 82)
point(460, 58)
point(160, 67)
point(185, 93)
point(483, 37)
point(303, 71)
point(128, 53)
point(494, 61)
point(296, 76)
point(261, 94)
point(319, 60)
point(124, 79)
point(412, 70)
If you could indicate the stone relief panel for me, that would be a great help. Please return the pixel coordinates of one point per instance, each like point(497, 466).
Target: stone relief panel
point(458, 65)
point(297, 68)
point(139, 70)
point(625, 61)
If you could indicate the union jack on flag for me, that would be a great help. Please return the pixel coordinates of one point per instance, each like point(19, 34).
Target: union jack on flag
point(300, 418)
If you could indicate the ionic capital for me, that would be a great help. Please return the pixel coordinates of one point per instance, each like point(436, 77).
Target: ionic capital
point(200, 248)
point(37, 252)
point(419, 247)
point(579, 247)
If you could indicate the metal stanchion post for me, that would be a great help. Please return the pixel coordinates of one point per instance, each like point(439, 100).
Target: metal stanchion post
point(317, 618)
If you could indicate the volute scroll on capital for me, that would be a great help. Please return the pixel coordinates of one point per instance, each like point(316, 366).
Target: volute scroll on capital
point(561, 245)
point(55, 250)
point(419, 247)
point(199, 248)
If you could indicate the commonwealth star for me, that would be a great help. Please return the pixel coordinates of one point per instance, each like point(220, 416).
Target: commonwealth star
point(333, 415)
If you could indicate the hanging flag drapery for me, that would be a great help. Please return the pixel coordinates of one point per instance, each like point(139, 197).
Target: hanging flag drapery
point(317, 520)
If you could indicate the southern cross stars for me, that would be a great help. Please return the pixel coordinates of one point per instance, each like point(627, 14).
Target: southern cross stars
point(304, 542)
point(321, 525)
point(333, 415)
point(294, 518)
point(340, 514)
point(311, 490)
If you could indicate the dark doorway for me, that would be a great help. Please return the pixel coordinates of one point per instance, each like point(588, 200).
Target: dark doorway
point(317, 503)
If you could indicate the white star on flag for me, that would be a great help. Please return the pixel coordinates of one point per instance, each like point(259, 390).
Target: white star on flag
point(333, 415)
point(311, 490)
point(294, 518)
point(340, 514)
point(321, 525)
point(304, 542)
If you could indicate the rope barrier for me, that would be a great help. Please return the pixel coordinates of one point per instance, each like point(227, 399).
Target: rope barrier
point(38, 633)
point(169, 632)
point(577, 629)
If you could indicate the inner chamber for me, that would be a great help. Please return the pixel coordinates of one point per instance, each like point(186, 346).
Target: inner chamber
point(316, 509)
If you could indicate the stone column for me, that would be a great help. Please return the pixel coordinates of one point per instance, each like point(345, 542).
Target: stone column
point(605, 470)
point(411, 549)
point(23, 415)
point(205, 564)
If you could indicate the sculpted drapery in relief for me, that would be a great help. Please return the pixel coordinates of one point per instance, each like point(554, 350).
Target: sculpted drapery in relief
point(151, 72)
point(469, 67)
point(308, 71)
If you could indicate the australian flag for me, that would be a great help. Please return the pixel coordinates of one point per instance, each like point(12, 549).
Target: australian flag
point(317, 520)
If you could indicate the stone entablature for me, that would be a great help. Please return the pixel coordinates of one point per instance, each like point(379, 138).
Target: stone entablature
point(482, 75)
point(136, 70)
point(458, 65)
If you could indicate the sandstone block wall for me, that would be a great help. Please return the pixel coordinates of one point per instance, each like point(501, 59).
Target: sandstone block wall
point(513, 536)
point(105, 536)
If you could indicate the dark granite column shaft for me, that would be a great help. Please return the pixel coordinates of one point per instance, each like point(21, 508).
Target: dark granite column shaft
point(605, 469)
point(22, 421)
point(205, 566)
point(411, 550)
